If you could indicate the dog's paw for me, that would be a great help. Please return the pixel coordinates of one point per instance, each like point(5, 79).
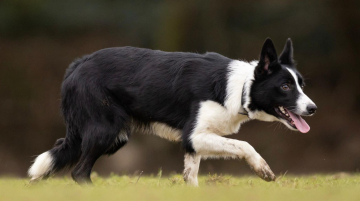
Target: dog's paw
point(260, 167)
point(34, 181)
point(263, 170)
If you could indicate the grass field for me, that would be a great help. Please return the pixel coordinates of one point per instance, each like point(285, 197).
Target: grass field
point(212, 187)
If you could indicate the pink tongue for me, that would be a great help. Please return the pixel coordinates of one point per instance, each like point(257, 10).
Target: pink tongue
point(300, 123)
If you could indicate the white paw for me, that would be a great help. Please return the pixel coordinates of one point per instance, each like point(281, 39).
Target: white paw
point(261, 168)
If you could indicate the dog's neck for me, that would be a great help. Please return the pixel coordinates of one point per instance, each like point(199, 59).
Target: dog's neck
point(240, 79)
point(245, 98)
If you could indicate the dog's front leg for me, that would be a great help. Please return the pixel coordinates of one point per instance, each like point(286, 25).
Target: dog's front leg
point(191, 163)
point(212, 145)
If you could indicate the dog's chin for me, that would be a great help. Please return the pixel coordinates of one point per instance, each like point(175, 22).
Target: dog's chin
point(286, 123)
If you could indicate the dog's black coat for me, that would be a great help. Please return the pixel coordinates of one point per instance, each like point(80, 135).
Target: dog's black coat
point(103, 92)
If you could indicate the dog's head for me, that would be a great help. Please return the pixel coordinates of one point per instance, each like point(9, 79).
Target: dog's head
point(276, 93)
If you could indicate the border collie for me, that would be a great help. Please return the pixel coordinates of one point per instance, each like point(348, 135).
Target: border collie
point(194, 98)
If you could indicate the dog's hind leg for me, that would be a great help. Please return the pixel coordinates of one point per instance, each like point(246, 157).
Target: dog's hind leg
point(99, 139)
point(191, 168)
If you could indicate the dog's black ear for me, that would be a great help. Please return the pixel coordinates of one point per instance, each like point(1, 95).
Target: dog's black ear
point(268, 62)
point(286, 57)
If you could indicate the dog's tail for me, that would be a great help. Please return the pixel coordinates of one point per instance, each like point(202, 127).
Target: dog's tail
point(65, 153)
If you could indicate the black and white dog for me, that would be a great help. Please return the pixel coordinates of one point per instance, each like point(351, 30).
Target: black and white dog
point(188, 97)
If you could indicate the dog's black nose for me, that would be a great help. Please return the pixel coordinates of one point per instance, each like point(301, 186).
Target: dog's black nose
point(311, 109)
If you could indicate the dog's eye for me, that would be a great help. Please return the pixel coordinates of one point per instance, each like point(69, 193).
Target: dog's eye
point(285, 87)
point(302, 86)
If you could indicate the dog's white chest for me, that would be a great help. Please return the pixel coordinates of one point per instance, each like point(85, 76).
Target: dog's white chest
point(214, 118)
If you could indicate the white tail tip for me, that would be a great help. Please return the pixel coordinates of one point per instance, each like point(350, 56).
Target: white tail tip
point(43, 165)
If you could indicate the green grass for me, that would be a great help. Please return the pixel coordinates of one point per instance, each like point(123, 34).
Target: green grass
point(212, 187)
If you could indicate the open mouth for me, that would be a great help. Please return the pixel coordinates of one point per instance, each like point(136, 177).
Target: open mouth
point(292, 119)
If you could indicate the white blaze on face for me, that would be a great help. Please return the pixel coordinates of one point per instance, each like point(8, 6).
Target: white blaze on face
point(303, 100)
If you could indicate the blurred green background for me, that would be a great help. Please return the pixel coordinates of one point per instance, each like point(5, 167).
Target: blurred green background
point(39, 39)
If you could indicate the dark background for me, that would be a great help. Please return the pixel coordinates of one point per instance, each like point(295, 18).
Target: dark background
point(39, 39)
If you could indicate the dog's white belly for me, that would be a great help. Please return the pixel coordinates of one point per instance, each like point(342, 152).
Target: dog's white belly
point(164, 131)
point(214, 118)
point(159, 129)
